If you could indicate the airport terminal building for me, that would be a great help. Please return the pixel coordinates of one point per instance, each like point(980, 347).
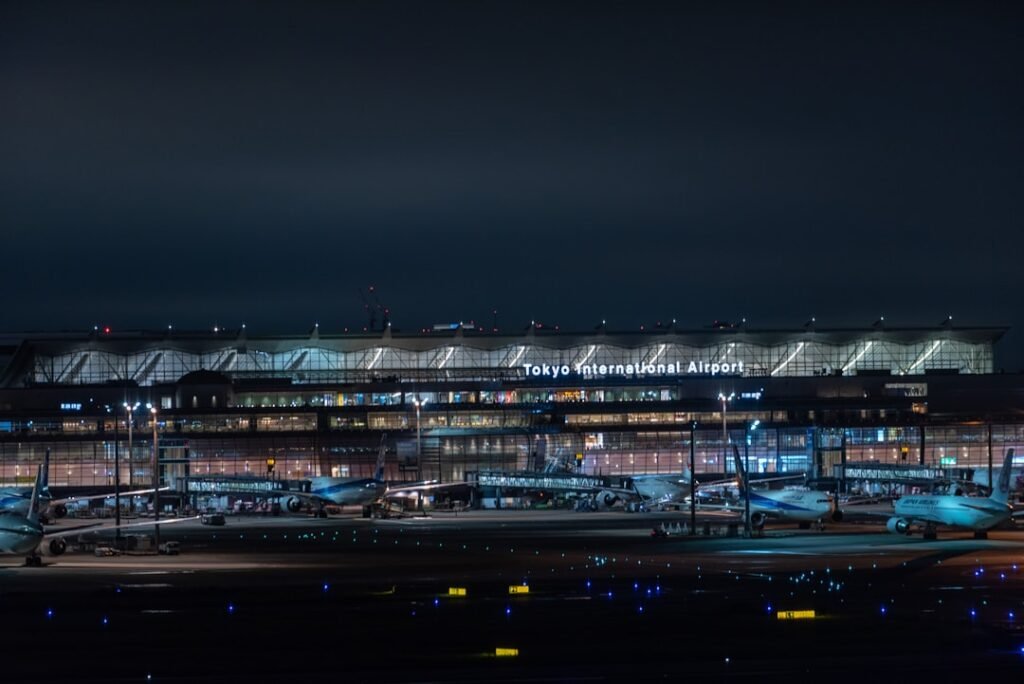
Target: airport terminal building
point(841, 403)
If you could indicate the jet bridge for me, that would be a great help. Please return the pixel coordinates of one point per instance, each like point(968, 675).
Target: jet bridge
point(226, 485)
point(536, 481)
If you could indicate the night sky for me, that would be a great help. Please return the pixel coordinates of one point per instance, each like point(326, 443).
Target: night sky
point(217, 163)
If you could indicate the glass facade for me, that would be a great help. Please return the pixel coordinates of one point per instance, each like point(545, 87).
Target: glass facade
point(352, 359)
point(600, 405)
point(460, 443)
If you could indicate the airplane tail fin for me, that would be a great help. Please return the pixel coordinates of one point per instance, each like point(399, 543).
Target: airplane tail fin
point(44, 489)
point(1001, 492)
point(741, 472)
point(33, 506)
point(378, 473)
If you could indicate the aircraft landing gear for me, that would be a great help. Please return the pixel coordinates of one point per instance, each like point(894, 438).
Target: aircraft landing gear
point(821, 525)
point(930, 533)
point(981, 534)
point(34, 561)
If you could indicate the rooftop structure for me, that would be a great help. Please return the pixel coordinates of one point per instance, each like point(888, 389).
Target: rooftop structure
point(148, 358)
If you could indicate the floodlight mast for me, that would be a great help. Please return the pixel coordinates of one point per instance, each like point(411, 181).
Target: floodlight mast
point(156, 478)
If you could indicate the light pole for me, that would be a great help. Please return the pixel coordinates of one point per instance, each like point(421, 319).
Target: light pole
point(418, 403)
point(693, 479)
point(725, 430)
point(117, 479)
point(156, 478)
point(745, 480)
point(130, 410)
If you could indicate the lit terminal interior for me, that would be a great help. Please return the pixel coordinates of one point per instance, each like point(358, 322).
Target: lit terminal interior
point(456, 402)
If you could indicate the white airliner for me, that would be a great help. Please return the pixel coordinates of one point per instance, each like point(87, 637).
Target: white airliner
point(24, 534)
point(975, 513)
point(17, 499)
point(649, 490)
point(342, 491)
point(786, 505)
point(662, 490)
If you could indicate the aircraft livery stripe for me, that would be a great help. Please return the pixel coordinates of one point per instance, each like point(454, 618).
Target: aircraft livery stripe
point(775, 504)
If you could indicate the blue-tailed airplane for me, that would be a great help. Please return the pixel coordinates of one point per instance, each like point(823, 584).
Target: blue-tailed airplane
point(803, 506)
point(342, 491)
point(17, 499)
point(975, 513)
point(24, 533)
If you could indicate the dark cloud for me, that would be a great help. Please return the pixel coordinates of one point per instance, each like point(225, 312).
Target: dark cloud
point(198, 163)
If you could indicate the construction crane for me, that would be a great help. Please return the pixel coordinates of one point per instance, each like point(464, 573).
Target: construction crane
point(372, 305)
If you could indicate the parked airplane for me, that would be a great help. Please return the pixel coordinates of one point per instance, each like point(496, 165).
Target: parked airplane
point(24, 534)
point(787, 505)
point(342, 491)
point(975, 513)
point(17, 499)
point(662, 490)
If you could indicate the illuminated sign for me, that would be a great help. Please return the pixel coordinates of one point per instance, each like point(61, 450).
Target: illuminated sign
point(518, 589)
point(796, 614)
point(506, 652)
point(587, 370)
point(456, 591)
point(71, 406)
point(906, 389)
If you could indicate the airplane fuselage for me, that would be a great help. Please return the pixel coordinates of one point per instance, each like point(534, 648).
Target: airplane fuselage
point(18, 534)
point(663, 489)
point(975, 513)
point(801, 506)
point(347, 491)
point(18, 502)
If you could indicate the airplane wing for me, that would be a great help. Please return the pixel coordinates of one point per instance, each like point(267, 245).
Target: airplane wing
point(429, 486)
point(108, 495)
point(100, 527)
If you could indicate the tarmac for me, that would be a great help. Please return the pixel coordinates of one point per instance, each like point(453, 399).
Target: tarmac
point(428, 599)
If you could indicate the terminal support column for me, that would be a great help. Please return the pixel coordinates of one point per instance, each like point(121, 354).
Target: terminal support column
point(693, 477)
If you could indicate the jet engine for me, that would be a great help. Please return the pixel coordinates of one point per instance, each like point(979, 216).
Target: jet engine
point(606, 499)
point(757, 520)
point(56, 546)
point(898, 526)
point(292, 504)
point(59, 511)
